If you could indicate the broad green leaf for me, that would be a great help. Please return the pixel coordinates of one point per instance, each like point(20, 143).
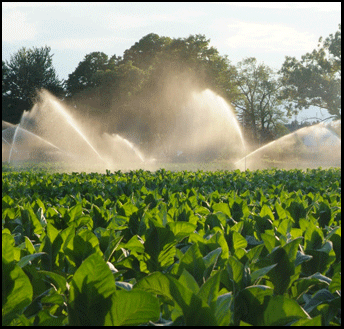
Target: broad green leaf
point(282, 273)
point(281, 213)
point(238, 241)
point(59, 281)
point(188, 281)
point(130, 308)
point(222, 207)
point(210, 261)
point(209, 290)
point(336, 283)
point(261, 272)
point(313, 237)
point(266, 212)
point(301, 257)
point(29, 246)
point(159, 245)
point(236, 273)
point(321, 259)
point(223, 313)
point(193, 262)
point(195, 310)
point(74, 213)
point(51, 245)
point(270, 241)
point(291, 248)
point(16, 292)
point(251, 303)
point(282, 310)
point(8, 245)
point(81, 246)
point(322, 296)
point(31, 223)
point(302, 285)
point(181, 229)
point(90, 293)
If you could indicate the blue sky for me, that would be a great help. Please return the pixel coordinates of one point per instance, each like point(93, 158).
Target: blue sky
point(268, 31)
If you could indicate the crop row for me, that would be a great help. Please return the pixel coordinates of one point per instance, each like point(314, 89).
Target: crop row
point(194, 248)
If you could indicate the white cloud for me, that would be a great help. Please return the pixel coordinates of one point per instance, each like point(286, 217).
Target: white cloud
point(320, 6)
point(16, 28)
point(11, 5)
point(265, 36)
point(87, 43)
point(118, 21)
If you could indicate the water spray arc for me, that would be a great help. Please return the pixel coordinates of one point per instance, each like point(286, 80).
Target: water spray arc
point(204, 128)
point(13, 142)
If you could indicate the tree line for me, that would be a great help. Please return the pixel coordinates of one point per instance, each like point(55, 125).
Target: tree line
point(154, 76)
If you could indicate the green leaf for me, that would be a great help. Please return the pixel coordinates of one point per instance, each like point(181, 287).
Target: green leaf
point(266, 212)
point(283, 274)
point(281, 213)
point(261, 272)
point(90, 292)
point(321, 259)
point(130, 308)
point(16, 293)
point(159, 245)
point(236, 273)
point(29, 246)
point(188, 281)
point(27, 259)
point(322, 296)
point(223, 313)
point(8, 244)
point(302, 285)
point(195, 310)
point(336, 283)
point(59, 281)
point(193, 262)
point(316, 321)
point(51, 245)
point(222, 207)
point(209, 290)
point(238, 241)
point(81, 246)
point(270, 241)
point(282, 310)
point(181, 229)
point(251, 303)
point(210, 261)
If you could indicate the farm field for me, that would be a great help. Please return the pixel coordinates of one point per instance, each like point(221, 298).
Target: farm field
point(172, 247)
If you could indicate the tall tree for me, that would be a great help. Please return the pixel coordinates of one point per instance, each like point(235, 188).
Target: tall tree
point(143, 53)
point(83, 76)
point(27, 71)
point(258, 101)
point(315, 80)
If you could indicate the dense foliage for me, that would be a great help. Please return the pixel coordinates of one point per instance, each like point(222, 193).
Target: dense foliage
point(316, 79)
point(194, 248)
point(154, 76)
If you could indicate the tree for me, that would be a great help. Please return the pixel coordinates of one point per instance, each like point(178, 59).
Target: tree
point(27, 71)
point(175, 69)
point(316, 79)
point(83, 76)
point(258, 101)
point(143, 53)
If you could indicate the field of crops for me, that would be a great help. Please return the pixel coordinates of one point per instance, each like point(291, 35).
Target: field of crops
point(172, 248)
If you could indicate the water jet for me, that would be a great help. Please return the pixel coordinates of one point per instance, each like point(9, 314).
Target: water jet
point(204, 129)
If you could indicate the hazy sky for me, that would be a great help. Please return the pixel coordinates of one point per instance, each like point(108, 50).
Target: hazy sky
point(268, 31)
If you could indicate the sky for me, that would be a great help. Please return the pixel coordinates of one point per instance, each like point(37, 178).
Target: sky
point(268, 31)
